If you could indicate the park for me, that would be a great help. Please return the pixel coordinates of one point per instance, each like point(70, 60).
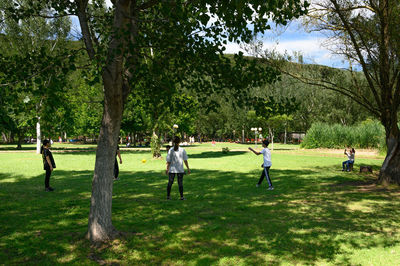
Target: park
point(140, 132)
point(317, 214)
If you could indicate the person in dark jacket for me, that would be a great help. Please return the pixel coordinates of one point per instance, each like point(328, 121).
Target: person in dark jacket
point(116, 167)
point(48, 163)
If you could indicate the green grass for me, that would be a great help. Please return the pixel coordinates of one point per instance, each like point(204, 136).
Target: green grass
point(316, 214)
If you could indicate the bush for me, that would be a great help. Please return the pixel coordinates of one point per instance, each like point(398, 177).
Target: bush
point(155, 145)
point(369, 134)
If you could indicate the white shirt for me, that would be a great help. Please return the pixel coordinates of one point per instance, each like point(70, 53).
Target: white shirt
point(350, 156)
point(176, 158)
point(267, 157)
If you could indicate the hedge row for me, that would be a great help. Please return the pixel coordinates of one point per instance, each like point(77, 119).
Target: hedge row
point(370, 134)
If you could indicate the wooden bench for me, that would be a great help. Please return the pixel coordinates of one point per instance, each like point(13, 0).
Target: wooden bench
point(365, 169)
point(351, 166)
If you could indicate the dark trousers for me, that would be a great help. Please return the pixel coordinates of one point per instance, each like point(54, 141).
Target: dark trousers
point(265, 173)
point(116, 169)
point(171, 178)
point(47, 178)
point(347, 164)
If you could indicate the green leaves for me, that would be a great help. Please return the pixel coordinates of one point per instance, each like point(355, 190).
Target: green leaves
point(272, 107)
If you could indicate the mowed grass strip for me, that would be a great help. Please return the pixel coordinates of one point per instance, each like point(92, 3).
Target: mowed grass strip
point(316, 214)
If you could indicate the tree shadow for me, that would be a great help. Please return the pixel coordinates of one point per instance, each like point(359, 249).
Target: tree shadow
point(215, 154)
point(307, 218)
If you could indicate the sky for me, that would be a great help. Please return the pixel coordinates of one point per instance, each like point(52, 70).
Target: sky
point(289, 40)
point(294, 39)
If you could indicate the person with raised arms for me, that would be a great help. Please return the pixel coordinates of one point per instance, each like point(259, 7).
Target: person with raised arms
point(266, 164)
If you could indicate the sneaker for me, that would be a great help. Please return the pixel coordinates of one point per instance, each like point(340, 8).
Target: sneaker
point(182, 198)
point(271, 188)
point(49, 189)
point(115, 179)
point(257, 185)
point(168, 198)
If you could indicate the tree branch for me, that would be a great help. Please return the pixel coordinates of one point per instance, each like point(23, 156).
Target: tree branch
point(149, 4)
point(334, 87)
point(87, 37)
point(358, 51)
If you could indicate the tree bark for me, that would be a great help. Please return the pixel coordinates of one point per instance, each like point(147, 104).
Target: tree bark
point(390, 171)
point(100, 226)
point(5, 139)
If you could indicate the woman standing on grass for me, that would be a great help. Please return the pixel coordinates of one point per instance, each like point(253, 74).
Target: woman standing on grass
point(266, 165)
point(48, 163)
point(175, 158)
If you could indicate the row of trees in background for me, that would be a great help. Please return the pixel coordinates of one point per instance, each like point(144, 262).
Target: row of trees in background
point(287, 105)
point(60, 100)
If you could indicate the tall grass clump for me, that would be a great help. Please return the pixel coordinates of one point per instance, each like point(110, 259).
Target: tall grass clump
point(368, 134)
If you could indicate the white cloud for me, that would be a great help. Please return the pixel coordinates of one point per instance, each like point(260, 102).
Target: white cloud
point(233, 48)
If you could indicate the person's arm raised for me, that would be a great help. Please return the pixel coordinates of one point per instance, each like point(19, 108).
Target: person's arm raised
point(255, 152)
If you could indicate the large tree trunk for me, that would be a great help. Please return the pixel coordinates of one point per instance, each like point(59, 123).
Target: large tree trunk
point(390, 171)
point(100, 226)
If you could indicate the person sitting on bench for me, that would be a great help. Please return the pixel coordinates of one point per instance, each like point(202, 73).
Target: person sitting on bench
point(349, 163)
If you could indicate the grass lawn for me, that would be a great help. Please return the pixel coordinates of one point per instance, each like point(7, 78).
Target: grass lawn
point(316, 214)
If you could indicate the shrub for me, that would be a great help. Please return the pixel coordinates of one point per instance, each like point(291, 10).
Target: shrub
point(155, 145)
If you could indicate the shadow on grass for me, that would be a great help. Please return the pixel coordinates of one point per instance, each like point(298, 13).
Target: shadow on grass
point(288, 147)
point(215, 154)
point(307, 218)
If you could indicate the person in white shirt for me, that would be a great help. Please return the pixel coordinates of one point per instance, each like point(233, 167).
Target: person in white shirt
point(266, 165)
point(350, 156)
point(175, 158)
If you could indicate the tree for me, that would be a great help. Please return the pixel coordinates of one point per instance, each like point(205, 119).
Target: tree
point(365, 32)
point(185, 36)
point(33, 77)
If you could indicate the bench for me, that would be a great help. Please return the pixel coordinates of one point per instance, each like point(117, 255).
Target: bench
point(351, 166)
point(365, 169)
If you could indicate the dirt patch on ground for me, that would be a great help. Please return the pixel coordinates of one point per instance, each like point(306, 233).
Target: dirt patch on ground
point(369, 184)
point(359, 152)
